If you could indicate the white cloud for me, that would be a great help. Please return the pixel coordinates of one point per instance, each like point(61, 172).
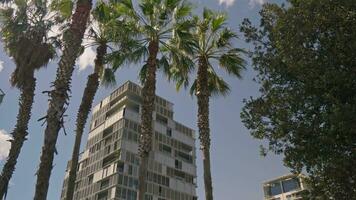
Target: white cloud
point(87, 58)
point(89, 54)
point(227, 2)
point(253, 3)
point(55, 31)
point(4, 144)
point(1, 65)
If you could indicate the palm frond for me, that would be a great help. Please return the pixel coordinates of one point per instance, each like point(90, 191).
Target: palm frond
point(232, 62)
point(193, 87)
point(102, 13)
point(163, 65)
point(182, 82)
point(207, 15)
point(115, 59)
point(129, 52)
point(171, 4)
point(217, 86)
point(182, 11)
point(125, 9)
point(143, 74)
point(225, 37)
point(182, 37)
point(137, 55)
point(63, 7)
point(218, 21)
point(108, 78)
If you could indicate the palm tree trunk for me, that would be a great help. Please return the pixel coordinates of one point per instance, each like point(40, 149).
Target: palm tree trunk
point(20, 132)
point(148, 95)
point(83, 113)
point(203, 96)
point(59, 96)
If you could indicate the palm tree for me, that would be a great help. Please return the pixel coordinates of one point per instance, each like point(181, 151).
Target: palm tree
point(107, 78)
point(146, 28)
point(59, 97)
point(210, 41)
point(24, 30)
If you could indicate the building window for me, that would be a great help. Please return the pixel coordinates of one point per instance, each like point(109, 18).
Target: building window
point(291, 184)
point(109, 159)
point(161, 119)
point(103, 195)
point(107, 150)
point(178, 164)
point(120, 167)
point(169, 132)
point(130, 170)
point(77, 185)
point(160, 190)
point(148, 197)
point(108, 140)
point(274, 189)
point(186, 157)
point(130, 184)
point(104, 184)
point(120, 179)
point(105, 172)
point(126, 180)
point(90, 179)
point(165, 149)
point(107, 131)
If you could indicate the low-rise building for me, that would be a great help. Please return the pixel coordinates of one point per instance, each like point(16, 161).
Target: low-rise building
point(287, 187)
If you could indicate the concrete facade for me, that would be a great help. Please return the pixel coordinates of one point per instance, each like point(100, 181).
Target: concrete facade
point(108, 166)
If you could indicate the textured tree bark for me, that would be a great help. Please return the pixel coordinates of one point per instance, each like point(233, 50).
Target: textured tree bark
point(83, 113)
point(148, 95)
point(19, 133)
point(203, 95)
point(59, 95)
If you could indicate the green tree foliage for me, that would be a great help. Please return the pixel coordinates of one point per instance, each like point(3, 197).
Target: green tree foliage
point(305, 56)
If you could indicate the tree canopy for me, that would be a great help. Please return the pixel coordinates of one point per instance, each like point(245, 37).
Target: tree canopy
point(305, 56)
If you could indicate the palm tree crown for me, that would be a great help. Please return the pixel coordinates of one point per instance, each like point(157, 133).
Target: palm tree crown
point(23, 30)
point(133, 27)
point(212, 42)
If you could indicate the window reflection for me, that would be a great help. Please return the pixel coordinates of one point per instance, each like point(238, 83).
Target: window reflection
point(291, 184)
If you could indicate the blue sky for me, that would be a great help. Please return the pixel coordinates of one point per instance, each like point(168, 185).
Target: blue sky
point(238, 169)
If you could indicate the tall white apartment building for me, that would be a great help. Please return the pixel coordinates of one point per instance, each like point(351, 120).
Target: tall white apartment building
point(287, 187)
point(108, 167)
